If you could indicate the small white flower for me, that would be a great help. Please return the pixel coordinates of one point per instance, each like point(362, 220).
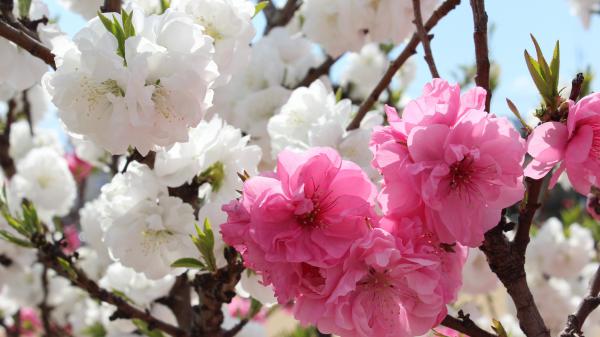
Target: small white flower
point(477, 276)
point(559, 255)
point(229, 23)
point(140, 289)
point(43, 177)
point(250, 286)
point(22, 140)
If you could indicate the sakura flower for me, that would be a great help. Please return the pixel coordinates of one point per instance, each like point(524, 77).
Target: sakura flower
point(229, 23)
point(477, 276)
point(146, 224)
point(464, 164)
point(363, 71)
point(147, 97)
point(79, 168)
point(559, 255)
point(390, 286)
point(43, 178)
point(140, 289)
point(307, 214)
point(22, 140)
point(574, 145)
point(312, 117)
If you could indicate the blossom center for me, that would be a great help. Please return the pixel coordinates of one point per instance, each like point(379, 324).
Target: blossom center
point(461, 174)
point(310, 219)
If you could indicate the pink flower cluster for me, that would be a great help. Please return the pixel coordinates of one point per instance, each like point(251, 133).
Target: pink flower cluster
point(450, 163)
point(575, 146)
point(311, 231)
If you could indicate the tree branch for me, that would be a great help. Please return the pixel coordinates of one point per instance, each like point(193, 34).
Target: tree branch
point(465, 325)
point(280, 17)
point(52, 257)
point(407, 52)
point(314, 73)
point(508, 263)
point(529, 207)
point(44, 308)
point(425, 39)
point(111, 6)
point(6, 161)
point(588, 304)
point(237, 328)
point(27, 42)
point(480, 20)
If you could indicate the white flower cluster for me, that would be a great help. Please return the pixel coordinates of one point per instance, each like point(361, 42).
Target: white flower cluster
point(312, 117)
point(146, 97)
point(347, 25)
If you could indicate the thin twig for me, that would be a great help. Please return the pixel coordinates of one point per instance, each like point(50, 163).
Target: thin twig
point(587, 305)
point(480, 36)
point(27, 42)
point(529, 207)
point(6, 161)
point(111, 6)
point(44, 308)
point(465, 325)
point(280, 17)
point(425, 39)
point(407, 52)
point(53, 257)
point(314, 73)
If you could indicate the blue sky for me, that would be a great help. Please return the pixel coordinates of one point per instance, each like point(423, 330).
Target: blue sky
point(514, 20)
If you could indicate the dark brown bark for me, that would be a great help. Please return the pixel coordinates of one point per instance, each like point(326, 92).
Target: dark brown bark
point(425, 39)
point(111, 6)
point(480, 36)
point(586, 307)
point(465, 325)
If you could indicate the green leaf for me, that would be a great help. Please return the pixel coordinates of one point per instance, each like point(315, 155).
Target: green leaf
point(255, 307)
point(67, 267)
point(164, 5)
point(544, 69)
point(498, 328)
point(338, 94)
point(144, 329)
point(205, 243)
point(555, 65)
point(259, 7)
point(517, 114)
point(95, 330)
point(13, 239)
point(106, 22)
point(534, 70)
point(24, 6)
point(120, 30)
point(188, 262)
point(15, 224)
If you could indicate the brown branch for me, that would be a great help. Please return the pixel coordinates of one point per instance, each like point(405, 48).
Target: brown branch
point(111, 6)
point(52, 257)
point(507, 260)
point(313, 74)
point(480, 20)
point(425, 39)
point(407, 52)
point(280, 17)
point(465, 325)
point(44, 308)
point(27, 42)
point(529, 207)
point(214, 289)
point(576, 87)
point(179, 301)
point(6, 161)
point(587, 305)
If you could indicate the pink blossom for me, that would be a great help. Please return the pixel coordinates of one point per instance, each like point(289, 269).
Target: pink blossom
point(305, 215)
point(31, 325)
point(71, 238)
point(391, 285)
point(79, 168)
point(240, 308)
point(575, 145)
point(449, 161)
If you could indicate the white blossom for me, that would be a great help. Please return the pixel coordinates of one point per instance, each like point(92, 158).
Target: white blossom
point(43, 178)
point(22, 140)
point(143, 223)
point(557, 254)
point(147, 99)
point(229, 23)
point(477, 276)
